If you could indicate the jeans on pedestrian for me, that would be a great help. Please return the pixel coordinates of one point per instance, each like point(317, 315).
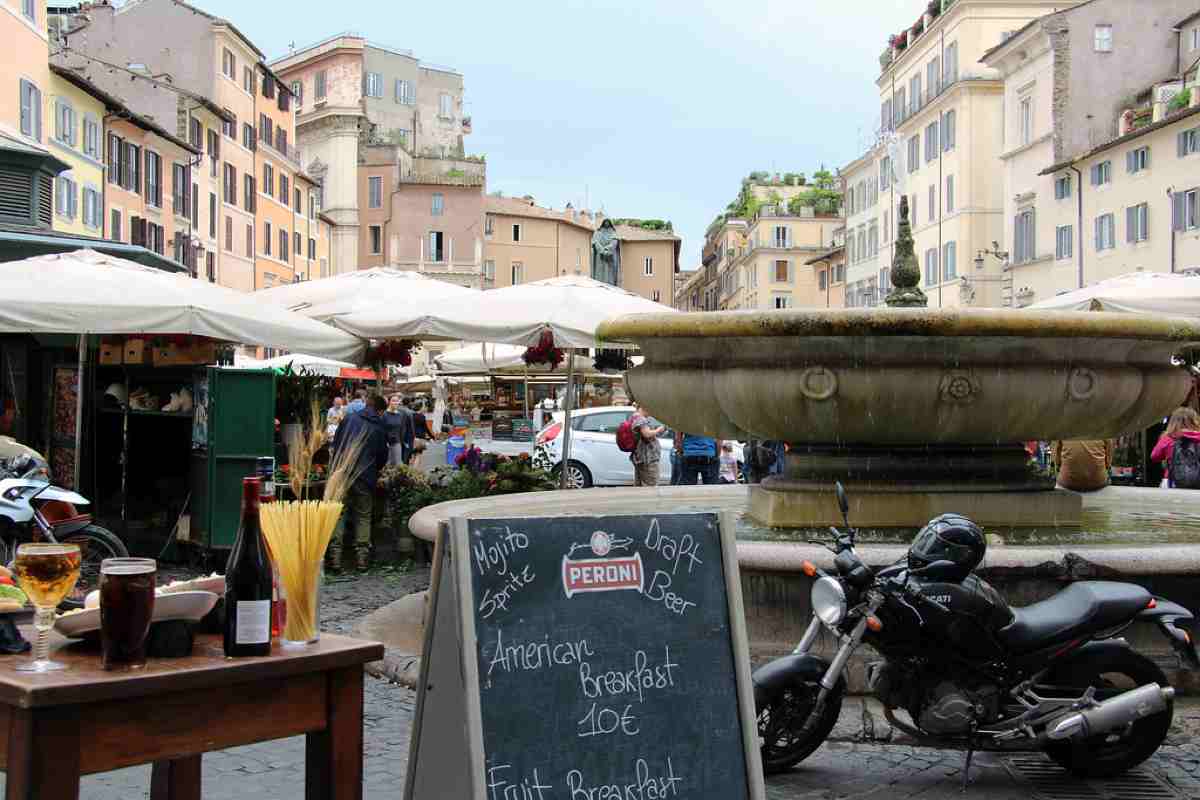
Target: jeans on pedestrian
point(708, 470)
point(358, 512)
point(676, 468)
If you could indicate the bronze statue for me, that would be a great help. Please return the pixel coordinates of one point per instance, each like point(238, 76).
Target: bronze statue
point(606, 254)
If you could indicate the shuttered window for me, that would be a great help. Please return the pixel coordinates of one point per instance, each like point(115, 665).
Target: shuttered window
point(1105, 233)
point(31, 110)
point(1064, 242)
point(1137, 223)
point(1024, 237)
point(1183, 209)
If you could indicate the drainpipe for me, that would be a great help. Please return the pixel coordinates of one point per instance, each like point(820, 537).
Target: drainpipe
point(941, 252)
point(1171, 214)
point(1079, 220)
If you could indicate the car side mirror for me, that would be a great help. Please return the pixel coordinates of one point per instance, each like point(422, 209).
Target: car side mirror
point(938, 571)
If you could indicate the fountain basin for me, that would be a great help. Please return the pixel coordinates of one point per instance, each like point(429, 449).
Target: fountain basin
point(1147, 536)
point(908, 407)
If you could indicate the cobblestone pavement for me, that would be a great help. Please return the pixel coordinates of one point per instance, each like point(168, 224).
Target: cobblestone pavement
point(840, 770)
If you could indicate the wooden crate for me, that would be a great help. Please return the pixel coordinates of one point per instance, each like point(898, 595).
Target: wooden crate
point(168, 355)
point(202, 352)
point(136, 351)
point(112, 353)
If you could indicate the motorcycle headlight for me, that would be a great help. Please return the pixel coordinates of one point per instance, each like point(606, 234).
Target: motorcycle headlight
point(829, 600)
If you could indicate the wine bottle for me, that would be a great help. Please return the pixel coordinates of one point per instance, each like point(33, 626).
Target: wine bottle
point(248, 583)
point(265, 467)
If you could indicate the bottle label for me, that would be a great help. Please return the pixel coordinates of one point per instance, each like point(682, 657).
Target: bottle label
point(253, 622)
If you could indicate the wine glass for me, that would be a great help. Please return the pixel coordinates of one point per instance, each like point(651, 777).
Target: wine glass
point(47, 573)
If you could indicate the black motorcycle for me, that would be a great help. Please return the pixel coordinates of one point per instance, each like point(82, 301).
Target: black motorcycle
point(970, 672)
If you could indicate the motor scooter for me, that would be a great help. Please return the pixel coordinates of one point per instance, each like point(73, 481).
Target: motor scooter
point(34, 510)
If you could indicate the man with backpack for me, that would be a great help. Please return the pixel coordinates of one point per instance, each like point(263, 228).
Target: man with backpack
point(699, 455)
point(638, 436)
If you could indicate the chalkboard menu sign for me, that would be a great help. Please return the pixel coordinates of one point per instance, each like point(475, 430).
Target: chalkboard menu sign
point(583, 657)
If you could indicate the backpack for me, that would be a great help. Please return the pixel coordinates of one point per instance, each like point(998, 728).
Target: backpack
point(626, 437)
point(1185, 463)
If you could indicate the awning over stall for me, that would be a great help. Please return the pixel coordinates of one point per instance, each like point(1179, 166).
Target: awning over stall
point(88, 292)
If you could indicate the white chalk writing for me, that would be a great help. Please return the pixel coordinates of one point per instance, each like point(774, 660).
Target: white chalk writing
point(672, 549)
point(645, 786)
point(495, 555)
point(498, 600)
point(600, 721)
point(642, 677)
point(657, 591)
point(500, 788)
point(524, 656)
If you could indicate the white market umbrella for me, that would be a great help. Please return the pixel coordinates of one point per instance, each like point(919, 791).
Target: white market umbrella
point(1136, 292)
point(84, 292)
point(496, 358)
point(379, 288)
point(87, 292)
point(571, 307)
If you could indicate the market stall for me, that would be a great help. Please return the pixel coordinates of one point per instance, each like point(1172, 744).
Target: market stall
point(549, 317)
point(109, 368)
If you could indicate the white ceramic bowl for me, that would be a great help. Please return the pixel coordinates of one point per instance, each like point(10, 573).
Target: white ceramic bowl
point(190, 606)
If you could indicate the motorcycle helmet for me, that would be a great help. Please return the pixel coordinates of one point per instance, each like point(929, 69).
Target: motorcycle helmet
point(950, 537)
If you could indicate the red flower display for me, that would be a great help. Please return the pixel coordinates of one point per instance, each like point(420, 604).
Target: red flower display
point(544, 352)
point(391, 351)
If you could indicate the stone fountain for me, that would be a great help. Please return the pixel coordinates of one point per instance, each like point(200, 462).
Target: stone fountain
point(915, 410)
point(918, 412)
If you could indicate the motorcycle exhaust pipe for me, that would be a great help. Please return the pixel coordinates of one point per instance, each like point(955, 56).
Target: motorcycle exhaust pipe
point(1112, 713)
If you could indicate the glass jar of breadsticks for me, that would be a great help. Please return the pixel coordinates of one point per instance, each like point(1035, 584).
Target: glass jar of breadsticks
point(298, 531)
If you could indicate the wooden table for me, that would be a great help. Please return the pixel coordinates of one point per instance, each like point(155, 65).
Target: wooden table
point(81, 720)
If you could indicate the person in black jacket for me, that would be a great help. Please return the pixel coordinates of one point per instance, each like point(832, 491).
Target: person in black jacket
point(399, 423)
point(366, 425)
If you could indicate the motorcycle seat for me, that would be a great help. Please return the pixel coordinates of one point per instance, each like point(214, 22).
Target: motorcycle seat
point(1081, 609)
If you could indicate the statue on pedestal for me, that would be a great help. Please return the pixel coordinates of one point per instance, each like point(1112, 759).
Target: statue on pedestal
point(606, 254)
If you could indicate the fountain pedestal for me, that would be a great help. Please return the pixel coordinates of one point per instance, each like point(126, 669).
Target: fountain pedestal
point(904, 486)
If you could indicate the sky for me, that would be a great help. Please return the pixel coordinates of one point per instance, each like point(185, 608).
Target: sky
point(642, 108)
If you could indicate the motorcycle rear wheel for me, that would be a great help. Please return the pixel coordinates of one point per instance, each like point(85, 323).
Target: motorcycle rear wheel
point(95, 545)
point(780, 723)
point(1122, 749)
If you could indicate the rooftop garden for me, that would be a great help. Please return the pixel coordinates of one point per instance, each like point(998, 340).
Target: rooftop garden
point(646, 224)
point(821, 195)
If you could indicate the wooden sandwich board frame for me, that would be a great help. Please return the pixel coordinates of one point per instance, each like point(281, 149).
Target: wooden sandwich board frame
point(448, 711)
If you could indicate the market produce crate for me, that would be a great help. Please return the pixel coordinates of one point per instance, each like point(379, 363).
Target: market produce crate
point(136, 351)
point(112, 353)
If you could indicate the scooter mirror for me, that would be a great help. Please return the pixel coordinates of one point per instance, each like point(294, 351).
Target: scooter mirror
point(842, 500)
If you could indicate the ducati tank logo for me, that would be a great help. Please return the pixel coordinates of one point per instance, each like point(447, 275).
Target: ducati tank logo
point(604, 573)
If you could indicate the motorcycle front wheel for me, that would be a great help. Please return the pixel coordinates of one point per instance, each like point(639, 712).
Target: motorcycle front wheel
point(781, 721)
point(95, 545)
point(1122, 749)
